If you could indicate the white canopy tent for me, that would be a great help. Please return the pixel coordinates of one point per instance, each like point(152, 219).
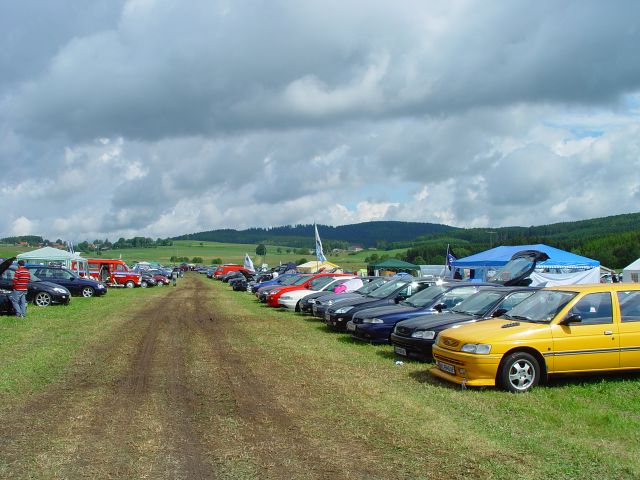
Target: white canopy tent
point(631, 273)
point(57, 257)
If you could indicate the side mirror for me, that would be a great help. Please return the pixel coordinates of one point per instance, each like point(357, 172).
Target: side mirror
point(573, 318)
point(499, 312)
point(440, 307)
point(400, 298)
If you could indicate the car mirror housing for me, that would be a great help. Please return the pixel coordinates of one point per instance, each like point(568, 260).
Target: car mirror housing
point(440, 307)
point(572, 318)
point(499, 312)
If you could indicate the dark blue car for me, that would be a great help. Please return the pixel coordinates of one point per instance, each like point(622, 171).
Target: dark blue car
point(375, 325)
point(80, 286)
point(276, 281)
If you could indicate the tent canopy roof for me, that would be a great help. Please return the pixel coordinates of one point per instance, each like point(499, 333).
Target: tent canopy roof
point(633, 266)
point(50, 253)
point(498, 256)
point(395, 263)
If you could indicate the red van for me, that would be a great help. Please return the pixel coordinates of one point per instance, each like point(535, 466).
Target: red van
point(226, 268)
point(113, 273)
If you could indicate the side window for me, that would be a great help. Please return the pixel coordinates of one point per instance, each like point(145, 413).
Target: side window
point(594, 309)
point(455, 296)
point(513, 300)
point(629, 306)
point(119, 268)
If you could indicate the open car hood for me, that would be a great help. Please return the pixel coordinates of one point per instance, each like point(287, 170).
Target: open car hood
point(6, 264)
point(517, 270)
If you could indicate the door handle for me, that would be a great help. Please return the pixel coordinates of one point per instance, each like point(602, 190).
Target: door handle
point(608, 332)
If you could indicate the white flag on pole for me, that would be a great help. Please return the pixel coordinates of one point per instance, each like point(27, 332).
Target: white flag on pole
point(248, 264)
point(319, 253)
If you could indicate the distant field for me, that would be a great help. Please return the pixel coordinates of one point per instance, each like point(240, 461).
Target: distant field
point(227, 252)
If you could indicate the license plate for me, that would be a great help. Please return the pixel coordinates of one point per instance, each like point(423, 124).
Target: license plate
point(445, 367)
point(401, 351)
point(351, 327)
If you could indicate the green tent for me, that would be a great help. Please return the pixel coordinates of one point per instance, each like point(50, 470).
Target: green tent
point(393, 265)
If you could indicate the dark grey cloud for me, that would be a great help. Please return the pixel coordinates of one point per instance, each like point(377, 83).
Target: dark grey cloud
point(160, 118)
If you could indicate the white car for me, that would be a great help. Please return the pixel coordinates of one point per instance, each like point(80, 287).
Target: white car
point(291, 300)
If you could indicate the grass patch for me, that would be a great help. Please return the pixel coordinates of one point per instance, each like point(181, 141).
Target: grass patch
point(40, 348)
point(580, 427)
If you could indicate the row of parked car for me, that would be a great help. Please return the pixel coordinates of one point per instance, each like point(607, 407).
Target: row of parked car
point(52, 285)
point(503, 333)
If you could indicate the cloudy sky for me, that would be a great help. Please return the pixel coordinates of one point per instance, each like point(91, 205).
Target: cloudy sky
point(164, 117)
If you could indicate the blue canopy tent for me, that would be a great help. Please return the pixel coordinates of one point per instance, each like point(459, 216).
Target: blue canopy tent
point(560, 261)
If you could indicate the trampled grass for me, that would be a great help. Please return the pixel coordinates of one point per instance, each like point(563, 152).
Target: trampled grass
point(37, 350)
point(585, 427)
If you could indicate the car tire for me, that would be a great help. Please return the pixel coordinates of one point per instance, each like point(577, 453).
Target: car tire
point(519, 372)
point(143, 284)
point(297, 309)
point(129, 284)
point(88, 292)
point(42, 299)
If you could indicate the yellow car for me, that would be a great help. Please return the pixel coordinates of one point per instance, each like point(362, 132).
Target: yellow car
point(557, 330)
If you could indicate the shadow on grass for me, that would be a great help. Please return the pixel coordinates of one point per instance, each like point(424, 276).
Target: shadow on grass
point(587, 379)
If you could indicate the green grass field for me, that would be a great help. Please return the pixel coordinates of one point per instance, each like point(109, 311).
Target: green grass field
point(227, 252)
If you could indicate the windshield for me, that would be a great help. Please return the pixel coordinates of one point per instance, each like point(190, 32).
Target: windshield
point(372, 285)
point(542, 306)
point(513, 269)
point(300, 280)
point(320, 282)
point(288, 280)
point(388, 288)
point(479, 304)
point(425, 297)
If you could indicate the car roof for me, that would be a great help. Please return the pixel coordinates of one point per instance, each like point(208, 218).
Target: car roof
point(596, 287)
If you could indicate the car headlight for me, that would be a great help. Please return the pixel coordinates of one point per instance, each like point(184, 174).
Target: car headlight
point(372, 320)
point(312, 301)
point(343, 309)
point(273, 292)
point(101, 285)
point(285, 297)
point(477, 348)
point(425, 334)
point(59, 290)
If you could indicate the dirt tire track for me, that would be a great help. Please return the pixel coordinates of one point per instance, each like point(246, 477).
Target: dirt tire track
point(269, 427)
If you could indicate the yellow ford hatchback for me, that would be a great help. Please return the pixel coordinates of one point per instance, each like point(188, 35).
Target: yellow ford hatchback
point(557, 330)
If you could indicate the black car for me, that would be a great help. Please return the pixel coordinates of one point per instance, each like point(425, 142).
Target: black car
point(321, 304)
point(392, 292)
point(415, 337)
point(87, 287)
point(147, 280)
point(39, 292)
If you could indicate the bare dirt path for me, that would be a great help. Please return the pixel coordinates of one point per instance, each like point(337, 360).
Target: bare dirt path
point(166, 395)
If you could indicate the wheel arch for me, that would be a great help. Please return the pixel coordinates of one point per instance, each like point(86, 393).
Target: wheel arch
point(531, 351)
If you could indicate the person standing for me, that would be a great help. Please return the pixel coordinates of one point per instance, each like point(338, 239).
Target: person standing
point(174, 276)
point(21, 280)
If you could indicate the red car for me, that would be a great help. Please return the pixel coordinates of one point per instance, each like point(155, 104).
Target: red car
point(304, 282)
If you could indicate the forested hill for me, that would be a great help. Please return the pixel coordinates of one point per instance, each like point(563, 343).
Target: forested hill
point(614, 240)
point(368, 234)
